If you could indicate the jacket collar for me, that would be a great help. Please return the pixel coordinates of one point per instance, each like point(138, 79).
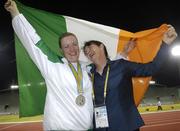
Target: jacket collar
point(93, 67)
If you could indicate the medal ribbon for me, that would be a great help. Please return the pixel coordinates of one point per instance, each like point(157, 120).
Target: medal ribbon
point(78, 76)
point(105, 85)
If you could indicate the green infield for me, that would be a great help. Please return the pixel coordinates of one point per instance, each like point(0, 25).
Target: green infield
point(146, 109)
point(15, 118)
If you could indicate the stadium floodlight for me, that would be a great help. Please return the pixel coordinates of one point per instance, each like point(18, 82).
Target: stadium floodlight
point(14, 86)
point(176, 50)
point(152, 82)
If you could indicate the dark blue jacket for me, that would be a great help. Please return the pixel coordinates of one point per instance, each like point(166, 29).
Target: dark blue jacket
point(121, 108)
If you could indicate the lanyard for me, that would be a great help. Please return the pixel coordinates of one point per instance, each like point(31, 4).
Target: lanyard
point(105, 85)
point(78, 76)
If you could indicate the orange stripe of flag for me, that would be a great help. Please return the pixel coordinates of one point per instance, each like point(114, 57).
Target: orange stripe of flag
point(148, 44)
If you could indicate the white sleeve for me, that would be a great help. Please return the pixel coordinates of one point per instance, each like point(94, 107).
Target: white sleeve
point(119, 56)
point(29, 38)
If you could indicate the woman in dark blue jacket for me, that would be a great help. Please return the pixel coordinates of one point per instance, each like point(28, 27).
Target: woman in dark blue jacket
point(114, 104)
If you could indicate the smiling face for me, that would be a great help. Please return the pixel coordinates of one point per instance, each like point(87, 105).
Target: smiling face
point(94, 52)
point(70, 48)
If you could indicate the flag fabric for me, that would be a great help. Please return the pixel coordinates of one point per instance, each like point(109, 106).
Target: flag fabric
point(32, 88)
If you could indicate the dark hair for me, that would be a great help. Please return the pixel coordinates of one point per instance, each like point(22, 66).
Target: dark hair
point(95, 42)
point(65, 35)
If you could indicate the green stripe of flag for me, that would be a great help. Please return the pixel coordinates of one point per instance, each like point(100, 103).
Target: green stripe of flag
point(53, 57)
point(32, 91)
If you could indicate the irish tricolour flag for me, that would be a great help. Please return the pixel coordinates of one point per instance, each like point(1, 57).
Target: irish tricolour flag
point(32, 89)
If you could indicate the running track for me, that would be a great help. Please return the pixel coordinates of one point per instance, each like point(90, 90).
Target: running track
point(160, 121)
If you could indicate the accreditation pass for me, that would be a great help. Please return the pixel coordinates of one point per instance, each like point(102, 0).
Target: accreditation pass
point(101, 118)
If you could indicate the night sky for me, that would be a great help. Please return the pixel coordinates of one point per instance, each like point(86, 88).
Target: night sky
point(128, 15)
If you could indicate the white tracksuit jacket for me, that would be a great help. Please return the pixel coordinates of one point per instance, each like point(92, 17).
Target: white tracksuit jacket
point(61, 111)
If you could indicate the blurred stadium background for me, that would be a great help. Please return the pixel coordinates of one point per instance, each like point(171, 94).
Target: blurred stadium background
point(169, 97)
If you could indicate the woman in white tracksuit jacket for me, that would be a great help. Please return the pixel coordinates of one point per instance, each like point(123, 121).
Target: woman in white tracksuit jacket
point(61, 109)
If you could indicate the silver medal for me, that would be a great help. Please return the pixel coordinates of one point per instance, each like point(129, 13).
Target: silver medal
point(80, 100)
